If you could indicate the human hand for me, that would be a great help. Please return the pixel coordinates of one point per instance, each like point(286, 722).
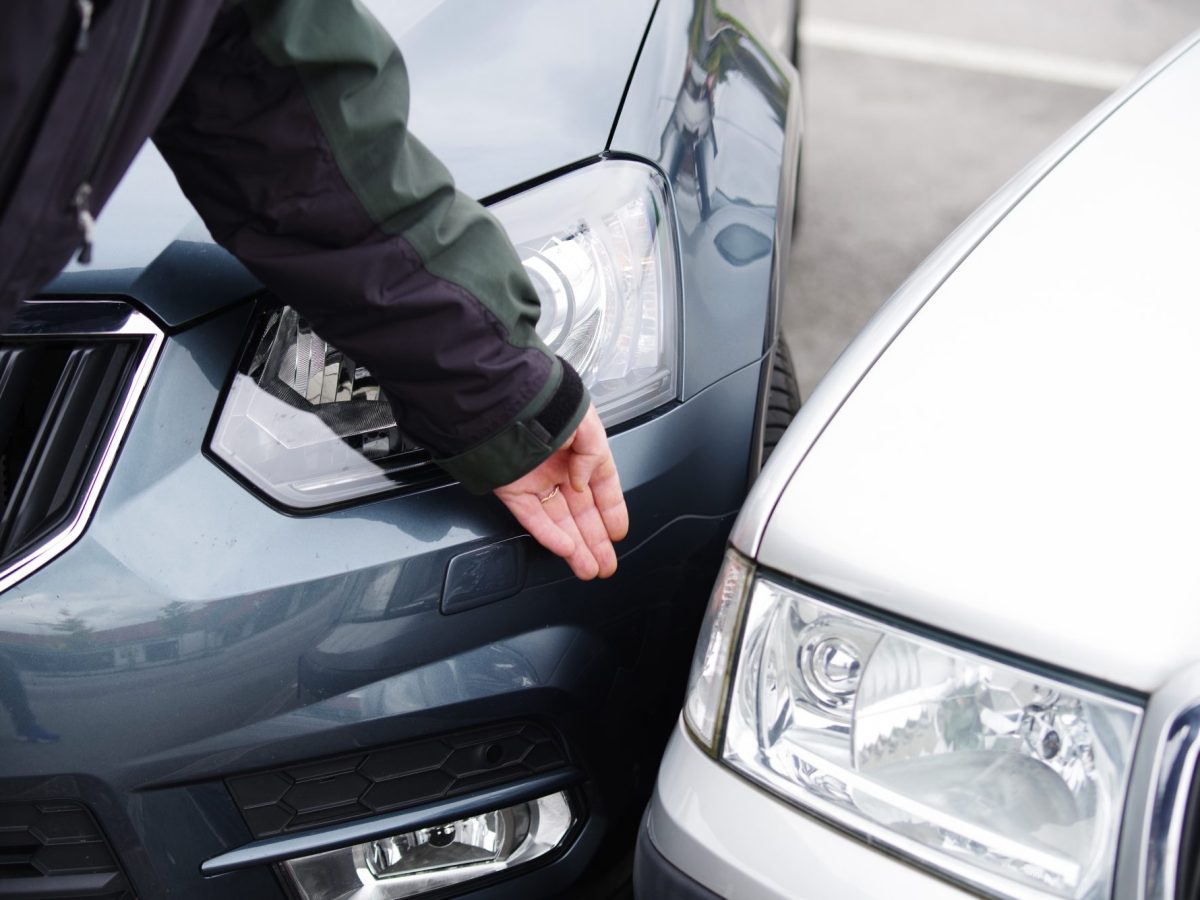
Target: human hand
point(572, 503)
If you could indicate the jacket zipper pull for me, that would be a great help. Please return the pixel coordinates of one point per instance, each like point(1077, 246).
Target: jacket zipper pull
point(85, 221)
point(86, 8)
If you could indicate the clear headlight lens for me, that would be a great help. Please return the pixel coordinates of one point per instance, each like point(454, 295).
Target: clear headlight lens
point(309, 427)
point(598, 245)
point(1003, 778)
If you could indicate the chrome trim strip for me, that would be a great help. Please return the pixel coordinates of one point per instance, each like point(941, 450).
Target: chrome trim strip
point(85, 318)
point(318, 840)
point(1163, 829)
point(1164, 767)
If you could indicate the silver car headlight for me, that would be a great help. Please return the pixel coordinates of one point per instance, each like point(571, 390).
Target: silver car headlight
point(1002, 777)
point(309, 427)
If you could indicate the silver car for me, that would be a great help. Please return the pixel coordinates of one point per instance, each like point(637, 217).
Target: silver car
point(953, 649)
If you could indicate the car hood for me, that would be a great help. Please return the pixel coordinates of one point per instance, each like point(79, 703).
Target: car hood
point(1021, 466)
point(502, 92)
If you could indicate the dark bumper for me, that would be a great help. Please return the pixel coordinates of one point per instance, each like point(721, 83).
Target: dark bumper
point(195, 635)
point(654, 878)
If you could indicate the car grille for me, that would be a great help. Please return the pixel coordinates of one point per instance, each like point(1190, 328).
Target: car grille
point(70, 375)
point(54, 849)
point(373, 782)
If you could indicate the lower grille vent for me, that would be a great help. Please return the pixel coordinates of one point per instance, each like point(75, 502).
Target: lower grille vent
point(391, 778)
point(54, 849)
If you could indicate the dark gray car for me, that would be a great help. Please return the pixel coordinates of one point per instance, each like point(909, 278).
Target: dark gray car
point(252, 643)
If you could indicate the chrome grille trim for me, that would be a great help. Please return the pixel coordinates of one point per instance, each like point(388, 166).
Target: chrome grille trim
point(1176, 766)
point(1164, 766)
point(1179, 749)
point(85, 319)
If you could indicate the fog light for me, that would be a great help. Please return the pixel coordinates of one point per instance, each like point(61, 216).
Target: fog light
point(428, 859)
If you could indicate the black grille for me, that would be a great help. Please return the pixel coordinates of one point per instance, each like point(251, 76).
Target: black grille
point(58, 402)
point(365, 784)
point(1187, 883)
point(54, 849)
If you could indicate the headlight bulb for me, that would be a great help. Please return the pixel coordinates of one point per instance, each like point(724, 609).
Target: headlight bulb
point(831, 667)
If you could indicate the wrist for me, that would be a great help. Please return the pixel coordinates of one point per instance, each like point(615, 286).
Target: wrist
point(541, 429)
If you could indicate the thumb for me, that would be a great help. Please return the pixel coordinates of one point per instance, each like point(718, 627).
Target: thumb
point(580, 469)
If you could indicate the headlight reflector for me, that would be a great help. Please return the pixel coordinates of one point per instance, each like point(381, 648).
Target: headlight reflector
point(1003, 778)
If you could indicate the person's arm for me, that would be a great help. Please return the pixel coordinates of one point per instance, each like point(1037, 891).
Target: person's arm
point(290, 137)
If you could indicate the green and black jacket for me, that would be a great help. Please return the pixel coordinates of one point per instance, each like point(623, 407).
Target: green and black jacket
point(285, 122)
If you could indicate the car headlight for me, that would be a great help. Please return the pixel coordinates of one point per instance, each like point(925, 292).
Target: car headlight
point(993, 774)
point(600, 249)
point(309, 427)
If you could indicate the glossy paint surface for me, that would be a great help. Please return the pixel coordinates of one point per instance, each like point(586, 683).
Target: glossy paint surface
point(870, 343)
point(709, 104)
point(194, 631)
point(1019, 466)
point(506, 92)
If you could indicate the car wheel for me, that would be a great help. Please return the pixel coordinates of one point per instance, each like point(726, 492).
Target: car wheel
point(783, 398)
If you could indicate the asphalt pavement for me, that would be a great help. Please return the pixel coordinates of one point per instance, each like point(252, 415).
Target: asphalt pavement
point(917, 112)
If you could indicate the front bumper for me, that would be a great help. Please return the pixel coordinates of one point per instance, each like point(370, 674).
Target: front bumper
point(194, 634)
point(731, 840)
point(655, 877)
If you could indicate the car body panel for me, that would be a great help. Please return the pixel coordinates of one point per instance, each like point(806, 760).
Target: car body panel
point(522, 90)
point(719, 112)
point(979, 477)
point(775, 24)
point(857, 359)
point(194, 631)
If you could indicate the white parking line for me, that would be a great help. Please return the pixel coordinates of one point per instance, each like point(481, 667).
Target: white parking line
point(976, 56)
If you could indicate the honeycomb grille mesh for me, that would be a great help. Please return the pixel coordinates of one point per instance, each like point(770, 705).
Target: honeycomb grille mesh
point(378, 781)
point(48, 847)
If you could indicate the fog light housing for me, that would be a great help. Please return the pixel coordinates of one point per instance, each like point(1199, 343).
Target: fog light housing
point(429, 859)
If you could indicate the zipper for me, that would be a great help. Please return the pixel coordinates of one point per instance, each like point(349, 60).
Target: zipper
point(81, 203)
point(84, 221)
point(86, 9)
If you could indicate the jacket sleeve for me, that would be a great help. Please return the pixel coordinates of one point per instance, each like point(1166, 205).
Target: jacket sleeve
point(290, 138)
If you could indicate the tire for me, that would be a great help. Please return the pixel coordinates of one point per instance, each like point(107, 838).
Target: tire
point(783, 398)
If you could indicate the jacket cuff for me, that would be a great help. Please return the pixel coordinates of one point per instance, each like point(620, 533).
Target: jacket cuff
point(522, 446)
